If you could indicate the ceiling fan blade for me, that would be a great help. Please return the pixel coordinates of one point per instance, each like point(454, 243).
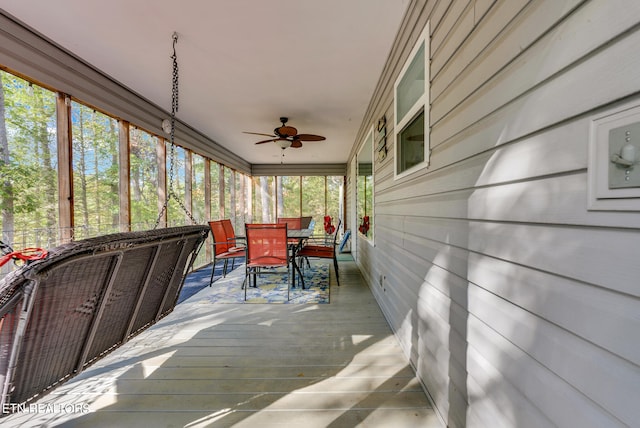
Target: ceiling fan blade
point(259, 133)
point(309, 137)
point(268, 141)
point(296, 144)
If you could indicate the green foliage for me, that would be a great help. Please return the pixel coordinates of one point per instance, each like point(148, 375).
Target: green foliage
point(143, 179)
point(289, 204)
point(197, 189)
point(20, 182)
point(27, 167)
point(29, 176)
point(95, 172)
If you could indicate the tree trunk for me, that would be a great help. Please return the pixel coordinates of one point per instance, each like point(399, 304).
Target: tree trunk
point(6, 202)
point(114, 195)
point(280, 197)
point(264, 199)
point(50, 174)
point(82, 171)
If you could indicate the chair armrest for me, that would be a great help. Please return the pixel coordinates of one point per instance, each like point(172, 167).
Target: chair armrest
point(237, 242)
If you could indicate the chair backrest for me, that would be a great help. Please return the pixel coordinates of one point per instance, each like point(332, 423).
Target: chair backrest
point(292, 222)
point(335, 233)
point(267, 244)
point(229, 231)
point(305, 222)
point(220, 241)
point(329, 239)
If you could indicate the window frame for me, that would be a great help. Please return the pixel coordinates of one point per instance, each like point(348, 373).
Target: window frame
point(420, 105)
point(368, 140)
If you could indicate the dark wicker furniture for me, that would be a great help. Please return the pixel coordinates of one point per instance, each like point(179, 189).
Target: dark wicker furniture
point(59, 314)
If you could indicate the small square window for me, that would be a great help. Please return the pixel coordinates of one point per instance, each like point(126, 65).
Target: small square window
point(411, 144)
point(411, 88)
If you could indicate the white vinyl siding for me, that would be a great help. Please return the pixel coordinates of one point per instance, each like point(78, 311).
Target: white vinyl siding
point(516, 304)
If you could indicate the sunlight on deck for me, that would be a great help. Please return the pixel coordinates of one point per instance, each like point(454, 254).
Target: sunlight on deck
point(248, 365)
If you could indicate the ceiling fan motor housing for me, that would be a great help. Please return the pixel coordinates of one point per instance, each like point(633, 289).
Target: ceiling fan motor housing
point(286, 131)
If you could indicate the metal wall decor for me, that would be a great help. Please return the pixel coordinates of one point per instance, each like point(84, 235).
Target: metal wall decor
point(380, 138)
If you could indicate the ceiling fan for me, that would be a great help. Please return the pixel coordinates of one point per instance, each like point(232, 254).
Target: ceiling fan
point(287, 136)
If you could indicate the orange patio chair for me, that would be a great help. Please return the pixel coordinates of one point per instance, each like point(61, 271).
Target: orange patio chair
point(292, 223)
point(305, 222)
point(324, 249)
point(234, 241)
point(266, 248)
point(223, 249)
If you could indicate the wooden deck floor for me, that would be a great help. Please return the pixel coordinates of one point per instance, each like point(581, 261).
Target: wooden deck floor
point(249, 365)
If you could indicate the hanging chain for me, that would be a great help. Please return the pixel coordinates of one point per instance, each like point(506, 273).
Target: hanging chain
point(172, 153)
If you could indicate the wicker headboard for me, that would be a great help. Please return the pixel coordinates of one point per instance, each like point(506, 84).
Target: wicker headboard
point(59, 314)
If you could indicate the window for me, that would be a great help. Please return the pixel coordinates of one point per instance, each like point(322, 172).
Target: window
point(28, 164)
point(226, 176)
point(197, 188)
point(214, 173)
point(288, 196)
point(143, 179)
point(264, 200)
point(314, 194)
point(176, 183)
point(296, 196)
point(335, 199)
point(365, 187)
point(95, 172)
point(411, 105)
point(241, 199)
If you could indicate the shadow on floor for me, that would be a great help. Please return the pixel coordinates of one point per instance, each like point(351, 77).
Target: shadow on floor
point(199, 279)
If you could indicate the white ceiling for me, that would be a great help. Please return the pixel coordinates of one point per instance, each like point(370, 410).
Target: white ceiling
point(242, 63)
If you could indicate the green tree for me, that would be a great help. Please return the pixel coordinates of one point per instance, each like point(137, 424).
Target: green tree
point(27, 163)
point(96, 172)
point(7, 185)
point(143, 179)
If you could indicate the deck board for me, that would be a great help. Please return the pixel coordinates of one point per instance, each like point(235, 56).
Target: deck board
point(245, 365)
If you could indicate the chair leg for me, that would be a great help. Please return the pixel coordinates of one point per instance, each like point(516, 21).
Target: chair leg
point(245, 286)
point(299, 275)
point(213, 271)
point(224, 269)
point(291, 278)
point(335, 265)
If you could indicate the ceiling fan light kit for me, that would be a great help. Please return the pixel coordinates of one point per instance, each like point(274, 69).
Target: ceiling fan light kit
point(283, 143)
